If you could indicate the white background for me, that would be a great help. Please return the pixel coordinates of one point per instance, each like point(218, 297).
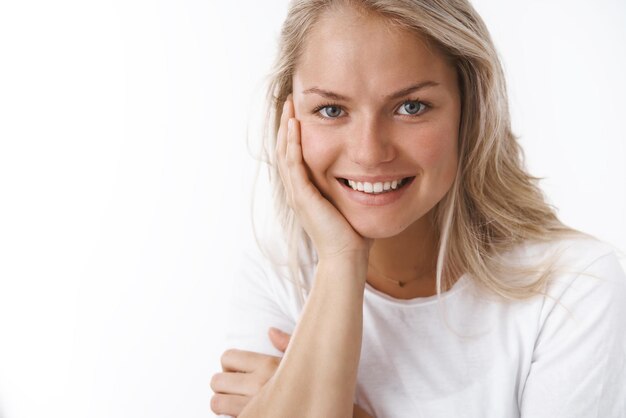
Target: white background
point(125, 179)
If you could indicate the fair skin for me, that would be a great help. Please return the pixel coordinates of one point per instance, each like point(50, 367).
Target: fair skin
point(246, 373)
point(367, 136)
point(371, 135)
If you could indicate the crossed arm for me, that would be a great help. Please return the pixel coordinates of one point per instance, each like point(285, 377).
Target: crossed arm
point(317, 374)
point(246, 372)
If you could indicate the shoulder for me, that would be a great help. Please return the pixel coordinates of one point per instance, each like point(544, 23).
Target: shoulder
point(261, 296)
point(578, 251)
point(586, 277)
point(265, 266)
point(570, 259)
point(577, 273)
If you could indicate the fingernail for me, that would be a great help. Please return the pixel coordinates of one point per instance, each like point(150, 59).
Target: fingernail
point(290, 123)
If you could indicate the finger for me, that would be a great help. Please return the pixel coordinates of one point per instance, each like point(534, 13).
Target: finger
point(234, 360)
point(235, 384)
point(279, 339)
point(231, 405)
point(281, 150)
point(281, 139)
point(295, 162)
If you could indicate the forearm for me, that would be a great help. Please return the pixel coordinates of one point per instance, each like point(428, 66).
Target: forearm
point(317, 374)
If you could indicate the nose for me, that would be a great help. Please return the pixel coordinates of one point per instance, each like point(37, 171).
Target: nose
point(371, 144)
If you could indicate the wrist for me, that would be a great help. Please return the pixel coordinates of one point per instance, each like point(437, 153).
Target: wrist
point(351, 264)
point(355, 255)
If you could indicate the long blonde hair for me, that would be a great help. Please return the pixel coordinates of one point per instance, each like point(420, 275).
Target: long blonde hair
point(493, 203)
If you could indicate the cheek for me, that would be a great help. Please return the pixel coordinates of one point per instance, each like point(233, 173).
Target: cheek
point(320, 149)
point(437, 150)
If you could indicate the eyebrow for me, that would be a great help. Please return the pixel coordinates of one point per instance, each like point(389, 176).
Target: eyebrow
point(396, 95)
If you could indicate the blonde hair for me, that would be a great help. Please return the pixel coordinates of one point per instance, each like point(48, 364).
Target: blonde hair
point(493, 203)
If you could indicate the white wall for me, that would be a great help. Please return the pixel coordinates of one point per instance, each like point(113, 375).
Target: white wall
point(125, 179)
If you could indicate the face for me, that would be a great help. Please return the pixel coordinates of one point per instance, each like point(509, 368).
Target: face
point(379, 110)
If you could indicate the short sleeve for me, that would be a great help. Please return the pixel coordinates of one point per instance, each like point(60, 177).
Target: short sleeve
point(258, 301)
point(578, 366)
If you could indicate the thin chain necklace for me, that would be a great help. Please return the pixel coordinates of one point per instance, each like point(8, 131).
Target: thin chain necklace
point(397, 282)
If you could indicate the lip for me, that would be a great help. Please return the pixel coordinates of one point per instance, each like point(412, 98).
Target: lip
point(375, 179)
point(382, 199)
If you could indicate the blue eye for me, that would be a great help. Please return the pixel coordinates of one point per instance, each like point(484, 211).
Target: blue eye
point(331, 111)
point(334, 111)
point(412, 107)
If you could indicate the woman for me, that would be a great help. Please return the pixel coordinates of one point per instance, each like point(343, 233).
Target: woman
point(435, 279)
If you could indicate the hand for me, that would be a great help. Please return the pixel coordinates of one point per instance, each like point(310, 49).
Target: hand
point(329, 230)
point(245, 373)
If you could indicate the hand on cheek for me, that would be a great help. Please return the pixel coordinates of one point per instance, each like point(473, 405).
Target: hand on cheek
point(331, 234)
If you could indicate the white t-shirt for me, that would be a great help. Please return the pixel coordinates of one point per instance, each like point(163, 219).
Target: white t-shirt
point(470, 354)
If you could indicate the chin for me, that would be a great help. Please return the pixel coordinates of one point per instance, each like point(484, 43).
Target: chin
point(375, 229)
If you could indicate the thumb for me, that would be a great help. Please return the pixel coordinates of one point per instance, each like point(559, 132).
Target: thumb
point(279, 338)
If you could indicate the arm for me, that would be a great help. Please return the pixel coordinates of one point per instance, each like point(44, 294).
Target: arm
point(317, 375)
point(245, 370)
point(280, 340)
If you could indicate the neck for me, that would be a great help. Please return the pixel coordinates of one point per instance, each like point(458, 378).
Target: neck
point(409, 257)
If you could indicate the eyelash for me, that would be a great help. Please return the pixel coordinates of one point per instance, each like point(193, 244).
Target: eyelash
point(316, 111)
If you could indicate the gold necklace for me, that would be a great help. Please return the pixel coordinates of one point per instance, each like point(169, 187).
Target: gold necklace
point(397, 282)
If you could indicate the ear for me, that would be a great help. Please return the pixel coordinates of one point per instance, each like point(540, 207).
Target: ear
point(279, 339)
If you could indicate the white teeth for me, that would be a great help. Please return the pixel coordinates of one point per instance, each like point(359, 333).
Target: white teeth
point(375, 188)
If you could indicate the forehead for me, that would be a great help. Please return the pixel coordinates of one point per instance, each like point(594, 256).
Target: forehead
point(351, 51)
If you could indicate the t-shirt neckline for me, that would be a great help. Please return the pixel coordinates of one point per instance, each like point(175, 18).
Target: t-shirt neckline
point(375, 294)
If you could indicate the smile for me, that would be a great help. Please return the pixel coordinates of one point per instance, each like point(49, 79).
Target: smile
point(377, 193)
point(377, 187)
